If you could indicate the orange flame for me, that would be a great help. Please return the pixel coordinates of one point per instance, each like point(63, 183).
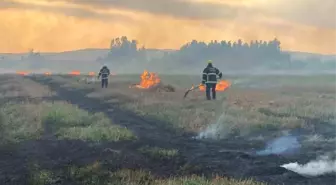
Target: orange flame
point(47, 73)
point(221, 86)
point(148, 80)
point(92, 73)
point(22, 73)
point(74, 73)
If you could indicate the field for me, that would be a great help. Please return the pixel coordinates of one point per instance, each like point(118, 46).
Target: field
point(62, 130)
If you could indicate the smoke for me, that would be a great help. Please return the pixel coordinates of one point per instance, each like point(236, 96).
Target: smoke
point(282, 145)
point(211, 132)
point(322, 165)
point(216, 130)
point(150, 24)
point(175, 8)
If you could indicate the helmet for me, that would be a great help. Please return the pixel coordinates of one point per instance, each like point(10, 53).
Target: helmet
point(209, 61)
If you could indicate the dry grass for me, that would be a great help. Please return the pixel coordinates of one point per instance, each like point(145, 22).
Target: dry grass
point(242, 111)
point(159, 153)
point(96, 174)
point(20, 122)
point(70, 122)
point(28, 121)
point(250, 107)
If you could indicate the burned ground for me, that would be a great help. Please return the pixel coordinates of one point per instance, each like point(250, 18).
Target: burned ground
point(159, 146)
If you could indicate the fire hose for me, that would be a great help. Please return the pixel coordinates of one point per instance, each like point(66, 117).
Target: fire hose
point(196, 87)
point(191, 89)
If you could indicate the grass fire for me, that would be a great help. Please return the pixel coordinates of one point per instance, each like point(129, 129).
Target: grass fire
point(57, 129)
point(148, 80)
point(222, 85)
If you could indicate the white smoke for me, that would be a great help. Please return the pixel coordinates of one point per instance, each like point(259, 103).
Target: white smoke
point(90, 80)
point(320, 166)
point(215, 130)
point(210, 132)
point(282, 145)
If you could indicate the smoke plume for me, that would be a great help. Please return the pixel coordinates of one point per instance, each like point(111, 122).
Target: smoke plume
point(41, 24)
point(216, 130)
point(282, 145)
point(322, 165)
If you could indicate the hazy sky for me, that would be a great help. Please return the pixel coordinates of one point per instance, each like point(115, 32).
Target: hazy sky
point(58, 25)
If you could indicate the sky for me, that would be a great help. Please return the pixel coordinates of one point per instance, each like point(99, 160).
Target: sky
point(63, 25)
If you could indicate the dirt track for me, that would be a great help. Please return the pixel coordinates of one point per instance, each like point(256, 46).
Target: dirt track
point(221, 157)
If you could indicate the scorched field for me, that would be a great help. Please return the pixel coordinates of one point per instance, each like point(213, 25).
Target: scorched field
point(141, 131)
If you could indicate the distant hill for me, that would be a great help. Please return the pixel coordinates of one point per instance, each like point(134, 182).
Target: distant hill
point(91, 54)
point(88, 60)
point(297, 55)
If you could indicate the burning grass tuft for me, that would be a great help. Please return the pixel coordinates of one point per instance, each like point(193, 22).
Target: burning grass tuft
point(148, 80)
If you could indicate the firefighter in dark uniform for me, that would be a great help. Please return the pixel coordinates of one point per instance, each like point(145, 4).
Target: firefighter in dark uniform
point(209, 79)
point(104, 73)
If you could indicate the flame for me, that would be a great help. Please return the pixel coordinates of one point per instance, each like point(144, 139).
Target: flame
point(148, 80)
point(221, 86)
point(22, 73)
point(74, 73)
point(47, 73)
point(92, 73)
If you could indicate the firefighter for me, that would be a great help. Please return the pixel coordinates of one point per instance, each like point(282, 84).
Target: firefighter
point(209, 79)
point(104, 73)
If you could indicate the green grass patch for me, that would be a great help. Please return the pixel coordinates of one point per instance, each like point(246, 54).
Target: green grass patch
point(42, 177)
point(20, 122)
point(27, 121)
point(70, 122)
point(196, 180)
point(89, 175)
point(132, 177)
point(38, 176)
point(176, 115)
point(159, 153)
point(96, 174)
point(96, 133)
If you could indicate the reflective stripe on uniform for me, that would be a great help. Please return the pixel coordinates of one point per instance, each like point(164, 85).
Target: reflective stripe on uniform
point(211, 82)
point(209, 74)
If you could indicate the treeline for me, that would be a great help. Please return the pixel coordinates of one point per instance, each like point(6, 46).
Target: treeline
point(228, 55)
point(126, 56)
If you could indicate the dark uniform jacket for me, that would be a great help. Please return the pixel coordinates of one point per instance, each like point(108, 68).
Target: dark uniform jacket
point(104, 73)
point(210, 74)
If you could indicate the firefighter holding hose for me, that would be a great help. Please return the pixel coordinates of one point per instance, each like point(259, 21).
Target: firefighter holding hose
point(104, 73)
point(209, 79)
